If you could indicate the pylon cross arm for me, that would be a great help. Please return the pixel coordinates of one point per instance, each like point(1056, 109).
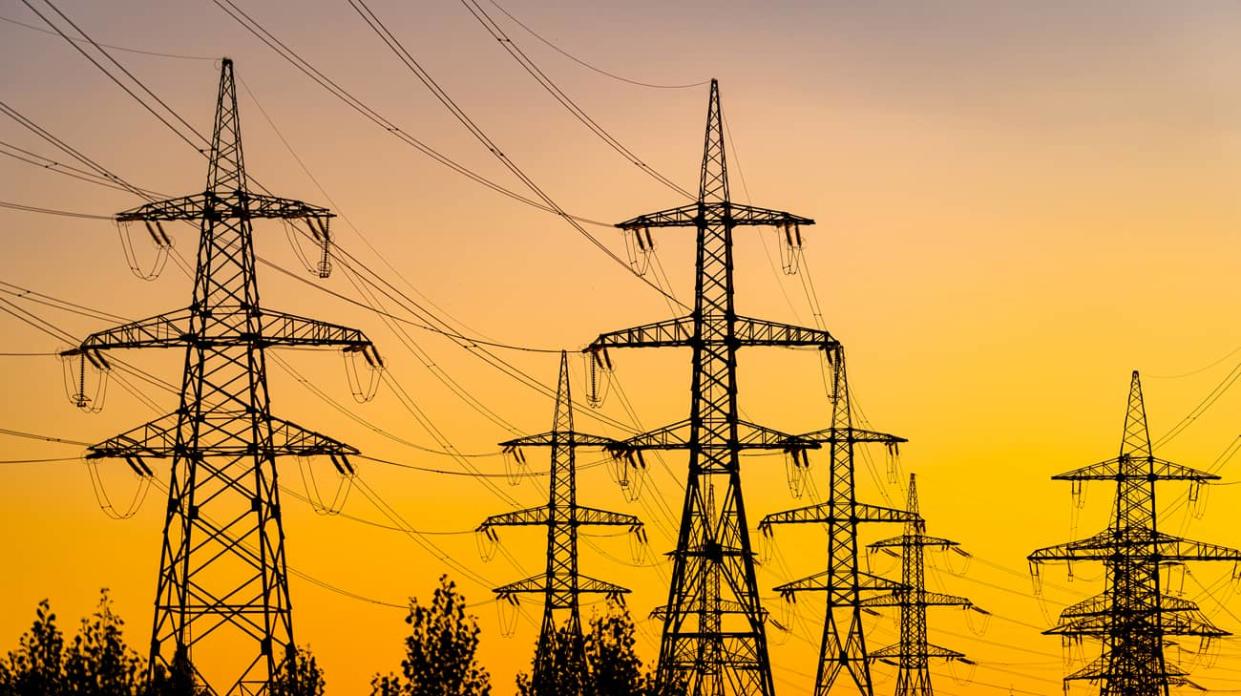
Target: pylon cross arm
point(281, 328)
point(176, 329)
point(225, 205)
point(1119, 468)
point(588, 516)
point(169, 330)
point(747, 332)
point(760, 332)
point(922, 599)
point(561, 438)
point(161, 438)
point(914, 540)
point(837, 513)
point(852, 436)
point(840, 583)
point(540, 583)
point(895, 653)
point(749, 436)
point(518, 518)
point(1103, 668)
point(1135, 543)
point(693, 214)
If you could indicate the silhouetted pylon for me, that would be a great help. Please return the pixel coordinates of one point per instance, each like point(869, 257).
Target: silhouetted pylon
point(714, 638)
point(843, 647)
point(223, 580)
point(913, 654)
point(557, 664)
point(1134, 615)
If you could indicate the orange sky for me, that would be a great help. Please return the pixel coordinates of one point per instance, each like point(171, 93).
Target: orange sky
point(1017, 204)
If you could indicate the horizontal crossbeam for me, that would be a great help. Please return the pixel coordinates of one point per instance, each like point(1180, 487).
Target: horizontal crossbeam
point(840, 513)
point(747, 333)
point(734, 214)
point(275, 329)
point(221, 206)
point(159, 439)
point(1135, 543)
point(749, 437)
point(1144, 469)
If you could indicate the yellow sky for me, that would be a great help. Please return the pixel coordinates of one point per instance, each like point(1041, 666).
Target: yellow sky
point(1017, 204)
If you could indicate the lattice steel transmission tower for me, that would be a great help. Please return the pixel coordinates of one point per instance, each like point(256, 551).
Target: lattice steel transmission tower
point(223, 580)
point(561, 584)
point(913, 654)
point(714, 639)
point(843, 647)
point(1134, 614)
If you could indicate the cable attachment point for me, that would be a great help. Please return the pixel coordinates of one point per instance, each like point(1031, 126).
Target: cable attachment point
point(363, 390)
point(140, 470)
point(159, 238)
point(488, 543)
point(598, 376)
point(345, 472)
point(628, 469)
point(507, 608)
point(86, 394)
point(894, 462)
point(319, 232)
point(514, 464)
point(790, 247)
point(639, 245)
point(796, 469)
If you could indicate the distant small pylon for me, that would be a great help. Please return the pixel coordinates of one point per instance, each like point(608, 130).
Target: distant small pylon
point(555, 662)
point(1133, 616)
point(913, 654)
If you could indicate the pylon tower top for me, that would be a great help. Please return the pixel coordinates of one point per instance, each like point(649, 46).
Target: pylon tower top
point(714, 636)
point(222, 611)
point(1134, 615)
point(560, 670)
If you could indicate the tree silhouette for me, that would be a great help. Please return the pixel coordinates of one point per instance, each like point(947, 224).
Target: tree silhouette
point(96, 663)
point(299, 676)
point(36, 666)
point(440, 652)
point(565, 677)
point(615, 668)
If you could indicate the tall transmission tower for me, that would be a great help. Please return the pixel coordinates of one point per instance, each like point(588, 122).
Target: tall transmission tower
point(843, 647)
point(714, 639)
point(560, 654)
point(223, 580)
point(1134, 613)
point(913, 654)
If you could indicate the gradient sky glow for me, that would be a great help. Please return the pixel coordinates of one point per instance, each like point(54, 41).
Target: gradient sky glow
point(1017, 204)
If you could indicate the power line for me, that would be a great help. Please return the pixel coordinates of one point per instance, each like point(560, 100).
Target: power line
point(392, 42)
point(112, 46)
point(52, 211)
point(559, 95)
point(587, 65)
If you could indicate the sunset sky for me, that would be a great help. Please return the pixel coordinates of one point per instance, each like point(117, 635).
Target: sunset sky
point(1017, 204)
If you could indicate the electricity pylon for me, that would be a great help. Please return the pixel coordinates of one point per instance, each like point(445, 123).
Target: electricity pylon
point(222, 575)
point(561, 584)
point(843, 647)
point(913, 654)
point(714, 638)
point(1134, 613)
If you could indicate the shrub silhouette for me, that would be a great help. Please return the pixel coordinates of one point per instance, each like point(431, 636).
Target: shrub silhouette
point(614, 667)
point(440, 652)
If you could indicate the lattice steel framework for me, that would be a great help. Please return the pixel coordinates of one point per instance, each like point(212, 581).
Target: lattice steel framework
point(714, 638)
point(223, 582)
point(561, 584)
point(913, 654)
point(843, 646)
point(1134, 614)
